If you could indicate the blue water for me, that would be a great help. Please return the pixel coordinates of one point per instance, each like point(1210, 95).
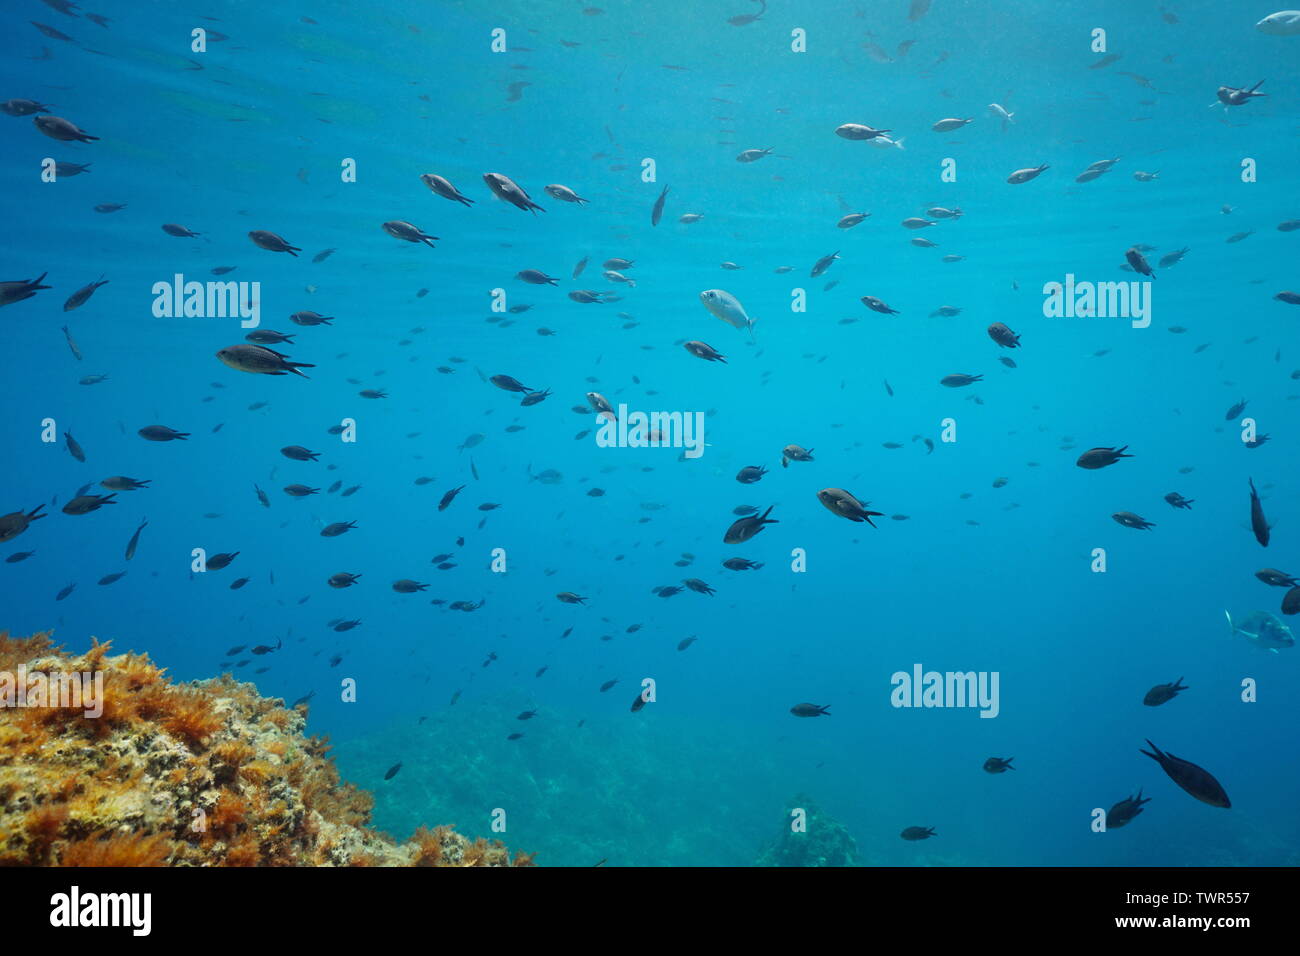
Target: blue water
point(976, 578)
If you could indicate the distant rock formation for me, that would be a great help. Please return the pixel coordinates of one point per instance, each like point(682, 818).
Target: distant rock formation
point(810, 839)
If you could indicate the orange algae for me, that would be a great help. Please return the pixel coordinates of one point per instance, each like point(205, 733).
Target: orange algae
point(202, 774)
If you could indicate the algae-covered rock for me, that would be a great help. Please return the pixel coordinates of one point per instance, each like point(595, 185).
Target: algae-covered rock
point(810, 838)
point(202, 774)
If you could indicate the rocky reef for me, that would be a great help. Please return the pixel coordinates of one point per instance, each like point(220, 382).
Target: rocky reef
point(208, 773)
point(825, 842)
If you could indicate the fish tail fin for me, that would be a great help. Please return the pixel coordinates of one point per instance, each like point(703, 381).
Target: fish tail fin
point(750, 326)
point(1158, 757)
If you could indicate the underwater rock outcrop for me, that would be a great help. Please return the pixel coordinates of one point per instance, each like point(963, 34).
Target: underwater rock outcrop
point(824, 842)
point(202, 774)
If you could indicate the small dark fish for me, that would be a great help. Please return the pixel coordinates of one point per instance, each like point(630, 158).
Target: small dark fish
point(657, 213)
point(608, 684)
point(742, 529)
point(515, 736)
point(50, 32)
point(110, 578)
point(1196, 781)
point(1123, 812)
point(449, 497)
point(135, 540)
point(1258, 523)
point(811, 710)
point(72, 345)
point(577, 270)
point(18, 556)
point(321, 257)
point(74, 449)
point(65, 592)
point(685, 643)
point(81, 295)
point(238, 583)
point(1163, 693)
point(1095, 458)
point(392, 771)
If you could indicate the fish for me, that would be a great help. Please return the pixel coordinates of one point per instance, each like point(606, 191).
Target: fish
point(1263, 630)
point(1163, 693)
point(844, 504)
point(393, 770)
point(657, 213)
point(1025, 175)
point(742, 529)
point(1122, 813)
point(725, 306)
point(1284, 23)
point(1258, 524)
point(822, 264)
point(259, 359)
point(17, 290)
point(72, 345)
point(507, 190)
point(80, 297)
point(1000, 112)
point(811, 710)
point(135, 540)
point(449, 497)
point(1095, 458)
point(442, 187)
point(1196, 781)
